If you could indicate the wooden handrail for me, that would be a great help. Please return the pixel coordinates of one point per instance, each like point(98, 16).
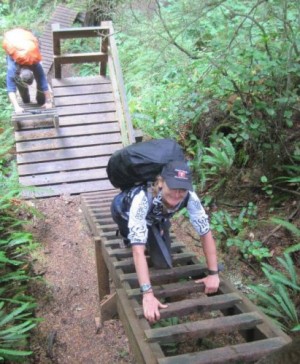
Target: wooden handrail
point(108, 55)
point(116, 76)
point(73, 33)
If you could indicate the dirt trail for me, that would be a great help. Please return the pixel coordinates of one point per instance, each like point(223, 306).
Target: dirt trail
point(68, 297)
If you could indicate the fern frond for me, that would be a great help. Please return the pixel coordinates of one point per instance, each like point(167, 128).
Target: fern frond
point(292, 249)
point(286, 224)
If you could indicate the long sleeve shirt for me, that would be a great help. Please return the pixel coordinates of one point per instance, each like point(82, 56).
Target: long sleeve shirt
point(142, 214)
point(11, 76)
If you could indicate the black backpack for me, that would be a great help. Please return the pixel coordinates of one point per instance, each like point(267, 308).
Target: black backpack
point(141, 162)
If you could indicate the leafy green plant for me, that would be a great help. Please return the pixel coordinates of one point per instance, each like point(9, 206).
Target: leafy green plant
point(227, 225)
point(267, 186)
point(16, 322)
point(218, 160)
point(293, 229)
point(169, 348)
point(277, 297)
point(250, 249)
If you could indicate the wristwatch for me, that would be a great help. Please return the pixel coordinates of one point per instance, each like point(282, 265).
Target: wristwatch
point(145, 287)
point(212, 272)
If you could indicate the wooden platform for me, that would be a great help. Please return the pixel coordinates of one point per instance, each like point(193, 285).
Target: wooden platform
point(63, 16)
point(236, 330)
point(71, 159)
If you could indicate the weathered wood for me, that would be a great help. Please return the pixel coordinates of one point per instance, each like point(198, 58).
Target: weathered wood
point(82, 32)
point(119, 261)
point(116, 75)
point(70, 188)
point(69, 142)
point(160, 276)
point(36, 116)
point(126, 253)
point(104, 49)
point(32, 135)
point(82, 109)
point(84, 89)
point(80, 58)
point(102, 271)
point(73, 82)
point(108, 307)
point(193, 305)
point(64, 154)
point(127, 265)
point(240, 353)
point(141, 349)
point(85, 119)
point(84, 99)
point(171, 289)
point(61, 166)
point(64, 177)
point(59, 59)
point(200, 329)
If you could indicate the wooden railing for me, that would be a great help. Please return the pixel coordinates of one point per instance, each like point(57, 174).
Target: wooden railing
point(108, 55)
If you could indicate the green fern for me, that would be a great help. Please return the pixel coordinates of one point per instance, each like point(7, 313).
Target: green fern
point(15, 324)
point(286, 224)
point(276, 299)
point(219, 158)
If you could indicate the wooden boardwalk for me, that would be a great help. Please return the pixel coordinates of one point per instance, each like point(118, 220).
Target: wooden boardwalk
point(235, 329)
point(72, 159)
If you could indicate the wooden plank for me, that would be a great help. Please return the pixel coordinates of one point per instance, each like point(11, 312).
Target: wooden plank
point(126, 252)
point(82, 109)
point(79, 81)
point(170, 289)
point(84, 99)
point(69, 165)
point(64, 177)
point(63, 154)
point(201, 304)
point(240, 353)
point(68, 142)
point(87, 119)
point(80, 58)
point(200, 329)
point(142, 350)
point(81, 90)
point(178, 259)
point(99, 196)
point(26, 135)
point(82, 32)
point(70, 188)
point(121, 99)
point(159, 276)
point(108, 307)
point(102, 271)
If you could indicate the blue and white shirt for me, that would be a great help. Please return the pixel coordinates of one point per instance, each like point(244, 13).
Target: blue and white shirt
point(141, 214)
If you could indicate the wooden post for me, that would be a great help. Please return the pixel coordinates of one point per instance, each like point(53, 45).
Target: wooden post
point(104, 49)
point(56, 51)
point(108, 308)
point(102, 271)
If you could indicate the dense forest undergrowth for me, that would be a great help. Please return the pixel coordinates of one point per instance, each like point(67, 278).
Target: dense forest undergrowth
point(220, 77)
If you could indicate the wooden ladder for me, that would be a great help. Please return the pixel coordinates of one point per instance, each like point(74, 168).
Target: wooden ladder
point(198, 317)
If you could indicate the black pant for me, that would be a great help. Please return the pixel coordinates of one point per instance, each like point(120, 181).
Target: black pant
point(24, 93)
point(158, 243)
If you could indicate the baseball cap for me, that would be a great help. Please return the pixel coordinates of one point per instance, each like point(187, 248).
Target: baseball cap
point(177, 175)
point(26, 76)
